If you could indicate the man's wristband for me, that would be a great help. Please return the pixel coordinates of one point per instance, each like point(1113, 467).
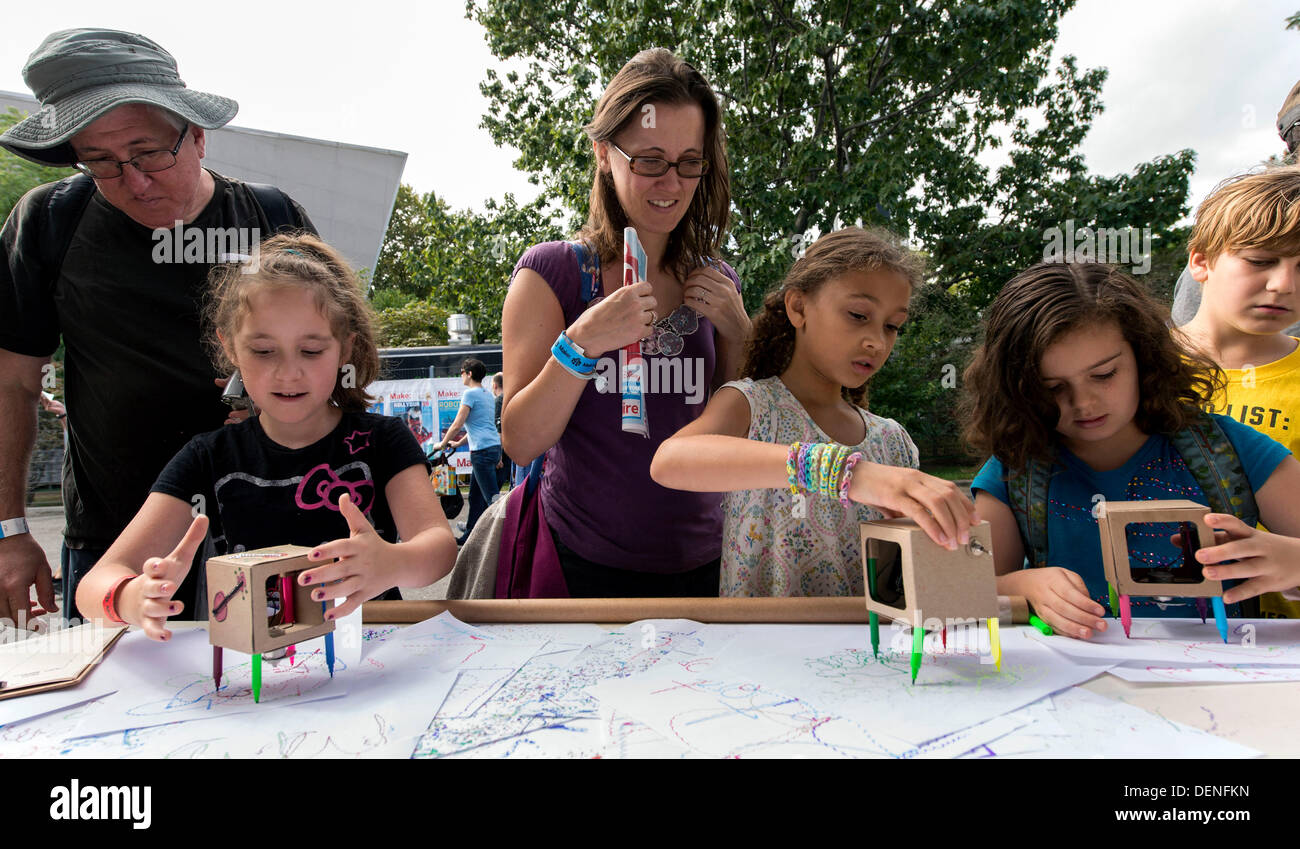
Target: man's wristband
point(13, 527)
point(575, 360)
point(110, 599)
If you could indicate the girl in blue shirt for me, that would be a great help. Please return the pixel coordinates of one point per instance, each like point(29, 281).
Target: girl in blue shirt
point(1078, 370)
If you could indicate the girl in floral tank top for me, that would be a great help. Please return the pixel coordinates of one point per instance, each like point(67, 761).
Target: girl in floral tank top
point(801, 461)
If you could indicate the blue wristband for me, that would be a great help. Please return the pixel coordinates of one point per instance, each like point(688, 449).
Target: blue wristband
point(573, 358)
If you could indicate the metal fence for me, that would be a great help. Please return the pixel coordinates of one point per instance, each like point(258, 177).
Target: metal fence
point(46, 470)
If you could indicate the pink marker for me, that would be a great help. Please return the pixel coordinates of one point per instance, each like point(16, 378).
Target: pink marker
point(1126, 613)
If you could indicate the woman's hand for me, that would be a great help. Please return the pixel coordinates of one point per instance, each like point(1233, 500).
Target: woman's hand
point(359, 574)
point(713, 295)
point(940, 508)
point(1059, 596)
point(618, 320)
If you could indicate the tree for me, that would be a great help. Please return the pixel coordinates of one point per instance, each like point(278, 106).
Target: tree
point(459, 261)
point(17, 175)
point(838, 112)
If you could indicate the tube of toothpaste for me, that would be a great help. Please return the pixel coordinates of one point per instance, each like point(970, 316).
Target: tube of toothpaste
point(633, 363)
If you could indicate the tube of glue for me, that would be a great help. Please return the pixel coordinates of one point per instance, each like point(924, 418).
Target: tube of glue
point(633, 363)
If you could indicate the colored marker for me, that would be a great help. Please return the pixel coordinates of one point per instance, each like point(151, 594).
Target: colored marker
point(1043, 627)
point(286, 604)
point(1202, 608)
point(1114, 601)
point(918, 641)
point(1126, 613)
point(329, 646)
point(944, 635)
point(1220, 617)
point(257, 678)
point(995, 642)
point(216, 667)
point(872, 616)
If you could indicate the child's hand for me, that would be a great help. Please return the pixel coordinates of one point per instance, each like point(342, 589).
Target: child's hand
point(1059, 596)
point(1271, 562)
point(941, 509)
point(358, 574)
point(147, 600)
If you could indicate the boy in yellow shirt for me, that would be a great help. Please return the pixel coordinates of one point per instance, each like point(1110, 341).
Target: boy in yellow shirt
point(1245, 253)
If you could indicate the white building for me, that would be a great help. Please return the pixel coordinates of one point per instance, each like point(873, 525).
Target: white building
point(348, 190)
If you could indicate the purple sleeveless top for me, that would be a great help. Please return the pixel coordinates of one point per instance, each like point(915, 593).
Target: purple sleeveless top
point(597, 490)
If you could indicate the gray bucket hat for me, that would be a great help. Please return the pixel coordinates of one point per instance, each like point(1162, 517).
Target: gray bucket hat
point(80, 74)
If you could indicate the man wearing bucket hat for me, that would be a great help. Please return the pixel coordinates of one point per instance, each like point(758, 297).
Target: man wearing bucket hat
point(1187, 292)
point(85, 260)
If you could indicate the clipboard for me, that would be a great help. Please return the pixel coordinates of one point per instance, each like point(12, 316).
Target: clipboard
point(31, 678)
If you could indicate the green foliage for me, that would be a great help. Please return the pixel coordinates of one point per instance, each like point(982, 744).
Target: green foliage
point(838, 112)
point(17, 175)
point(414, 324)
point(459, 260)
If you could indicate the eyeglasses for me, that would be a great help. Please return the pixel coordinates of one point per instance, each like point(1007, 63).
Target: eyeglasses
point(654, 166)
point(146, 163)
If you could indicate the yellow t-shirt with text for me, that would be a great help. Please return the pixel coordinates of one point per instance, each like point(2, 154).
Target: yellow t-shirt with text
point(1267, 398)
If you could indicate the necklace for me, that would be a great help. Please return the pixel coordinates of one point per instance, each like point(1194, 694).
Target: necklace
point(666, 337)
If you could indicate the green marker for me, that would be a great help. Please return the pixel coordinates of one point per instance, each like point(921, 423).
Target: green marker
point(1114, 600)
point(918, 640)
point(872, 616)
point(1043, 627)
point(257, 678)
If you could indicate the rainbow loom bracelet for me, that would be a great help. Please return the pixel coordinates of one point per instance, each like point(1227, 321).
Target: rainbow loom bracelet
point(848, 476)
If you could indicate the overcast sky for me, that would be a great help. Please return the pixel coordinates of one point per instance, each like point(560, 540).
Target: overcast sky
point(1202, 74)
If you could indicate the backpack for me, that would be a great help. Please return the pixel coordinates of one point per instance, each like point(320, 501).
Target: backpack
point(67, 200)
point(1205, 449)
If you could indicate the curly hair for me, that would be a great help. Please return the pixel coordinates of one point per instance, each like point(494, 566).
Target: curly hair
point(658, 76)
point(305, 261)
point(1009, 412)
point(771, 344)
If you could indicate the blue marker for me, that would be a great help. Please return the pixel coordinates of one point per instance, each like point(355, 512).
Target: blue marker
point(1220, 617)
point(329, 645)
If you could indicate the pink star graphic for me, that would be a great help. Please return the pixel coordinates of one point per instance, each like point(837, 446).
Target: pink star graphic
point(363, 437)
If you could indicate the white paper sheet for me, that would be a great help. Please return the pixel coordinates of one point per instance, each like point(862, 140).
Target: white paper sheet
point(832, 668)
point(1206, 674)
point(1096, 726)
point(157, 683)
point(1186, 642)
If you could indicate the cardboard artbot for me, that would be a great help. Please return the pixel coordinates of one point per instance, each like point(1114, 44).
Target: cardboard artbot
point(1113, 519)
point(238, 616)
point(937, 583)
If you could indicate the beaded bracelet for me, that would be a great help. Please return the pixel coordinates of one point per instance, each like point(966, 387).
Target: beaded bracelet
point(848, 476)
point(831, 484)
point(792, 467)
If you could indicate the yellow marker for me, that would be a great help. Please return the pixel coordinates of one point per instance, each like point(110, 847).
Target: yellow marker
point(995, 644)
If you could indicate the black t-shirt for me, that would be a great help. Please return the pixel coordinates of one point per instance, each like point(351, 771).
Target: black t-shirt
point(138, 382)
point(257, 493)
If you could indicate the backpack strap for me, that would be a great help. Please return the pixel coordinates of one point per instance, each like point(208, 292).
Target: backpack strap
point(61, 213)
point(589, 269)
point(275, 208)
point(1027, 491)
point(1213, 462)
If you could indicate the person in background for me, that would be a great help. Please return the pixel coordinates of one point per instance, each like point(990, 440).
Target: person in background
point(1187, 291)
point(477, 408)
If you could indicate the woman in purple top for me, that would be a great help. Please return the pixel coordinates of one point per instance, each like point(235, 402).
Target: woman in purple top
point(661, 167)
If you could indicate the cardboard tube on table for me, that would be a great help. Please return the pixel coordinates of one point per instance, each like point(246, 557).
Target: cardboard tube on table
point(845, 609)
